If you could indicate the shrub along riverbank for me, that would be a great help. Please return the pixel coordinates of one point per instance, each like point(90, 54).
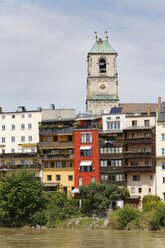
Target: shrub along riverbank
point(24, 203)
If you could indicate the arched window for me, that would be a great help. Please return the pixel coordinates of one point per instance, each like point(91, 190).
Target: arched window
point(102, 65)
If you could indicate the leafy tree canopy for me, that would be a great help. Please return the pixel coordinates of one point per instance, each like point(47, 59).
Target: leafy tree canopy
point(21, 195)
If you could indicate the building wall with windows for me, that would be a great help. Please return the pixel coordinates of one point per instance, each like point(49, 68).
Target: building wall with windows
point(113, 122)
point(140, 121)
point(86, 156)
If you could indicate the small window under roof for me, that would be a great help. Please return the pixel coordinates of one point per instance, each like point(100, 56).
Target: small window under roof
point(115, 110)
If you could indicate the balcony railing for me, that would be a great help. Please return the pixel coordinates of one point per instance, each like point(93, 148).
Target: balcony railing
point(137, 140)
point(19, 155)
point(63, 130)
point(57, 156)
point(130, 154)
point(62, 144)
point(138, 168)
point(19, 166)
point(88, 126)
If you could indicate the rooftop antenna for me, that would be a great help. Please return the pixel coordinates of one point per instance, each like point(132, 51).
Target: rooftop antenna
point(106, 34)
point(96, 35)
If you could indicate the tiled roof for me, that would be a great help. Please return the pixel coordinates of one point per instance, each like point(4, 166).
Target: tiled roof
point(162, 113)
point(102, 46)
point(138, 108)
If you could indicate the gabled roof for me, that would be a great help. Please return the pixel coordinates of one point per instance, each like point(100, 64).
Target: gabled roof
point(102, 46)
point(138, 108)
point(161, 117)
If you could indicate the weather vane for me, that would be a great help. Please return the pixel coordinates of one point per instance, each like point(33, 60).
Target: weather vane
point(96, 35)
point(106, 34)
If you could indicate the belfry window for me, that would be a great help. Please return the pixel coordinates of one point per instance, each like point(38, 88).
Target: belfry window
point(102, 66)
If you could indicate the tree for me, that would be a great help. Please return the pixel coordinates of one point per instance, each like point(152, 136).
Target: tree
point(21, 195)
point(124, 193)
point(100, 194)
point(150, 202)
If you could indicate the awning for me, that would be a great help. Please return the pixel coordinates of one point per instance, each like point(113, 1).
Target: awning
point(76, 190)
point(28, 145)
point(50, 184)
point(132, 197)
point(85, 147)
point(85, 163)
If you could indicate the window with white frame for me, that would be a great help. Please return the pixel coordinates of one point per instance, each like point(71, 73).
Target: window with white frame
point(12, 139)
point(80, 181)
point(22, 116)
point(12, 127)
point(86, 137)
point(119, 177)
point(3, 116)
point(163, 179)
point(92, 179)
point(22, 138)
point(104, 177)
point(32, 149)
point(163, 151)
point(113, 125)
point(163, 136)
point(29, 115)
point(103, 163)
point(133, 190)
point(22, 126)
point(3, 127)
point(12, 150)
point(3, 139)
point(29, 126)
point(29, 138)
point(163, 165)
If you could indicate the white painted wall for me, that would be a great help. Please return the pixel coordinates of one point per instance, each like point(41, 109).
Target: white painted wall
point(114, 118)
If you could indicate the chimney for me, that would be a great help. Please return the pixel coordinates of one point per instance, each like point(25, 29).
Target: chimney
point(149, 111)
point(159, 102)
point(0, 109)
point(52, 106)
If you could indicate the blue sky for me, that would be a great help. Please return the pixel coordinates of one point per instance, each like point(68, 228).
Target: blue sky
point(44, 46)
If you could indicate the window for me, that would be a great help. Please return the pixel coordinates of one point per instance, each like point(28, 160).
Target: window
point(163, 165)
point(150, 177)
point(3, 127)
point(63, 164)
point(22, 138)
point(163, 179)
point(133, 149)
point(32, 149)
point(3, 150)
point(3, 116)
point(102, 66)
point(69, 164)
point(55, 138)
point(113, 125)
point(104, 177)
point(29, 115)
point(143, 149)
point(140, 190)
point(12, 127)
point(80, 181)
point(132, 190)
point(103, 163)
point(46, 164)
point(29, 138)
point(52, 164)
point(3, 162)
point(12, 139)
point(134, 123)
point(146, 122)
point(136, 177)
point(70, 178)
point(149, 190)
point(112, 178)
point(146, 163)
point(134, 135)
point(58, 177)
point(117, 117)
point(12, 150)
point(29, 126)
point(58, 163)
point(101, 150)
point(163, 196)
point(92, 179)
point(12, 162)
point(22, 150)
point(163, 136)
point(108, 118)
point(147, 135)
point(86, 153)
point(48, 138)
point(119, 177)
point(69, 137)
point(70, 151)
point(22, 116)
point(13, 116)
point(22, 161)
point(49, 177)
point(86, 168)
point(134, 163)
point(118, 162)
point(86, 137)
point(65, 190)
point(3, 139)
point(163, 151)
point(22, 126)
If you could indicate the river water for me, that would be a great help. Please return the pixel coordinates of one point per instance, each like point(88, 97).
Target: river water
point(79, 238)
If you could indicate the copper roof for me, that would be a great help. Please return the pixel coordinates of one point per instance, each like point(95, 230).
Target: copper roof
point(137, 108)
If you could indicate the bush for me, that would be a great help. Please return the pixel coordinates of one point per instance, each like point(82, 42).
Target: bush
point(39, 218)
point(158, 218)
point(85, 207)
point(150, 202)
point(126, 215)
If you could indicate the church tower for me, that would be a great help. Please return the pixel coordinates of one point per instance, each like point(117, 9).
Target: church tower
point(102, 80)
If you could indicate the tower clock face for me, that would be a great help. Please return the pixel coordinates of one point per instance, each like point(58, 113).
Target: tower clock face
point(103, 86)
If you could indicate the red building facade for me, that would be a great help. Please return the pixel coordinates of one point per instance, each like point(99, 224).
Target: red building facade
point(86, 140)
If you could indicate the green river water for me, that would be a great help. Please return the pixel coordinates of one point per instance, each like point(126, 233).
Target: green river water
point(79, 238)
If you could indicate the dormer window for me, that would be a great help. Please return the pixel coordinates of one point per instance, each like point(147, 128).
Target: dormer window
point(102, 66)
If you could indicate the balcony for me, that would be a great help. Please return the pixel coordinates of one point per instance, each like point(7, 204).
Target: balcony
point(19, 166)
point(88, 126)
point(66, 144)
point(19, 155)
point(112, 169)
point(138, 168)
point(138, 155)
point(52, 131)
point(111, 155)
point(137, 140)
point(51, 156)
